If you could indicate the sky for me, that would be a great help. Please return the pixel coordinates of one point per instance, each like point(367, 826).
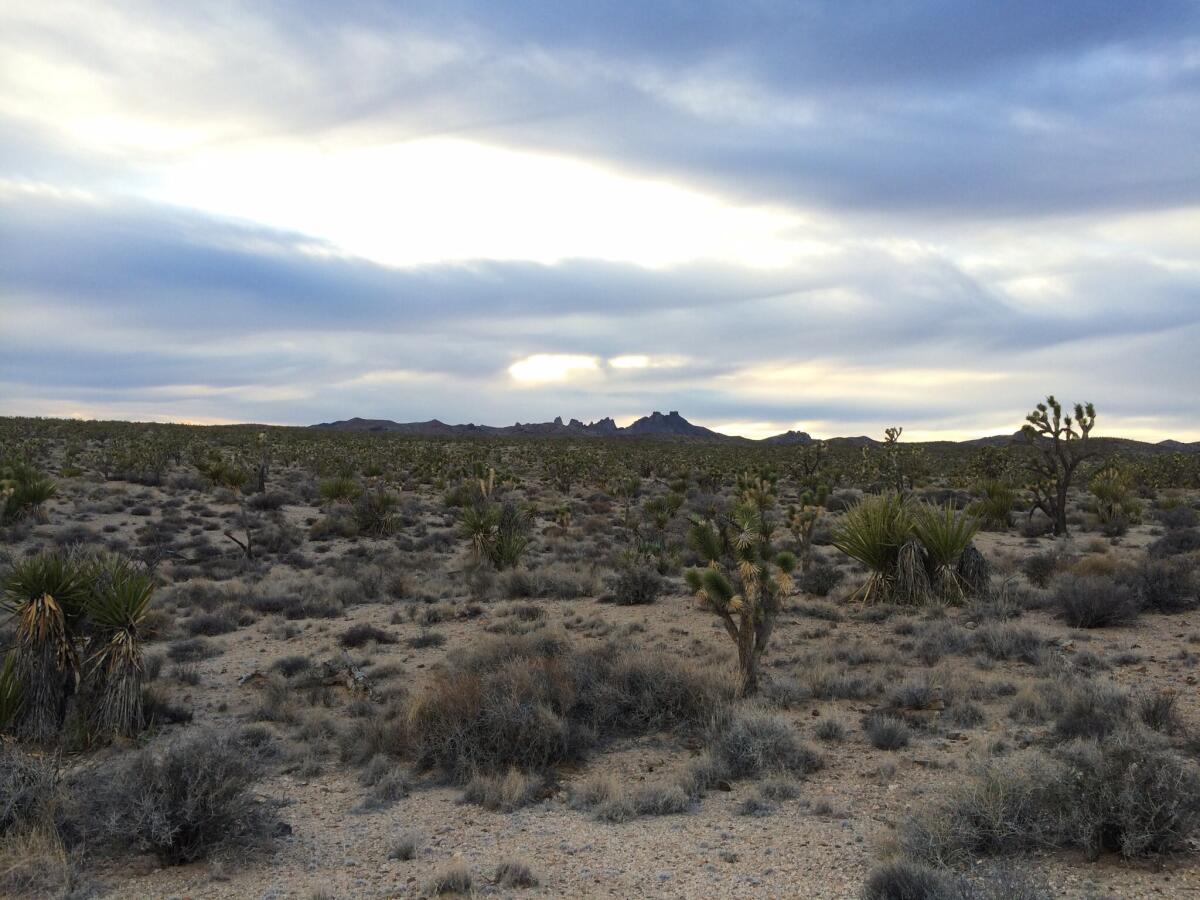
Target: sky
point(825, 216)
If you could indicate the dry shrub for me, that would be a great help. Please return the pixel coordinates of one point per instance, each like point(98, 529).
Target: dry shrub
point(1129, 794)
point(181, 803)
point(533, 701)
point(1095, 602)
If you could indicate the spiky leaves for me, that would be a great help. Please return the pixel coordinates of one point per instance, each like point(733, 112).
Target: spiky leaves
point(76, 617)
point(994, 508)
point(45, 595)
point(116, 610)
point(1112, 488)
point(944, 534)
point(23, 491)
point(498, 532)
point(512, 535)
point(872, 532)
point(912, 550)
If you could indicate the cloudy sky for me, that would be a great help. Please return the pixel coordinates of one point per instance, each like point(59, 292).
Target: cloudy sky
point(768, 215)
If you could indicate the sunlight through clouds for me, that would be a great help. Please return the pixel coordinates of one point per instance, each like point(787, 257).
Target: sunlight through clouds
point(542, 368)
point(442, 199)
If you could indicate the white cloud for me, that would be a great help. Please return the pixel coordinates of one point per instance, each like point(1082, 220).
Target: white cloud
point(543, 368)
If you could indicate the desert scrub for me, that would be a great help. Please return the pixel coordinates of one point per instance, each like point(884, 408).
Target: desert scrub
point(610, 799)
point(514, 873)
point(1129, 794)
point(1095, 602)
point(752, 742)
point(181, 803)
point(531, 702)
point(886, 732)
point(635, 586)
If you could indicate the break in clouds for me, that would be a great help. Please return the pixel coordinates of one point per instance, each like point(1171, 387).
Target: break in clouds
point(763, 215)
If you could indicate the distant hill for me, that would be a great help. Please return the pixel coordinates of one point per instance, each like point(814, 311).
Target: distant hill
point(673, 425)
point(789, 437)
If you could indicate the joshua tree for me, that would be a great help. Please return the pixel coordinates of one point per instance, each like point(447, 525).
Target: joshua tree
point(744, 582)
point(802, 520)
point(1061, 444)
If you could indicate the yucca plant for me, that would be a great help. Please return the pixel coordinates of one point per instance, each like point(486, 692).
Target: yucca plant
point(116, 610)
point(45, 594)
point(375, 513)
point(23, 492)
point(994, 509)
point(944, 534)
point(498, 532)
point(1112, 488)
point(744, 582)
point(873, 532)
point(340, 489)
point(477, 523)
point(512, 535)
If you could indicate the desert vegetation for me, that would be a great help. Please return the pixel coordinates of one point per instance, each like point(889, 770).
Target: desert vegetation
point(293, 662)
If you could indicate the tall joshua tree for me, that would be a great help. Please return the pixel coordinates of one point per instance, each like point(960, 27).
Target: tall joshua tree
point(1061, 443)
point(744, 582)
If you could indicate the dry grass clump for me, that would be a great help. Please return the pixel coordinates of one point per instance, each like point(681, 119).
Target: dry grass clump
point(610, 799)
point(753, 742)
point(532, 702)
point(359, 635)
point(749, 743)
point(515, 873)
point(886, 732)
point(504, 793)
point(452, 879)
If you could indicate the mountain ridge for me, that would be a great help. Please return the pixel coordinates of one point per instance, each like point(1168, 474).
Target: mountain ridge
point(674, 426)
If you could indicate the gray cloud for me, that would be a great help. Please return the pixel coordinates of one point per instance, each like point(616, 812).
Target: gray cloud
point(934, 134)
point(268, 331)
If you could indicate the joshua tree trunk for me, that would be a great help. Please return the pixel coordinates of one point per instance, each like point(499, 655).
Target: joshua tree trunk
point(747, 662)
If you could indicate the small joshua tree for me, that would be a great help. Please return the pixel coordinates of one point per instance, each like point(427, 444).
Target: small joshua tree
point(802, 520)
point(744, 582)
point(1061, 444)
